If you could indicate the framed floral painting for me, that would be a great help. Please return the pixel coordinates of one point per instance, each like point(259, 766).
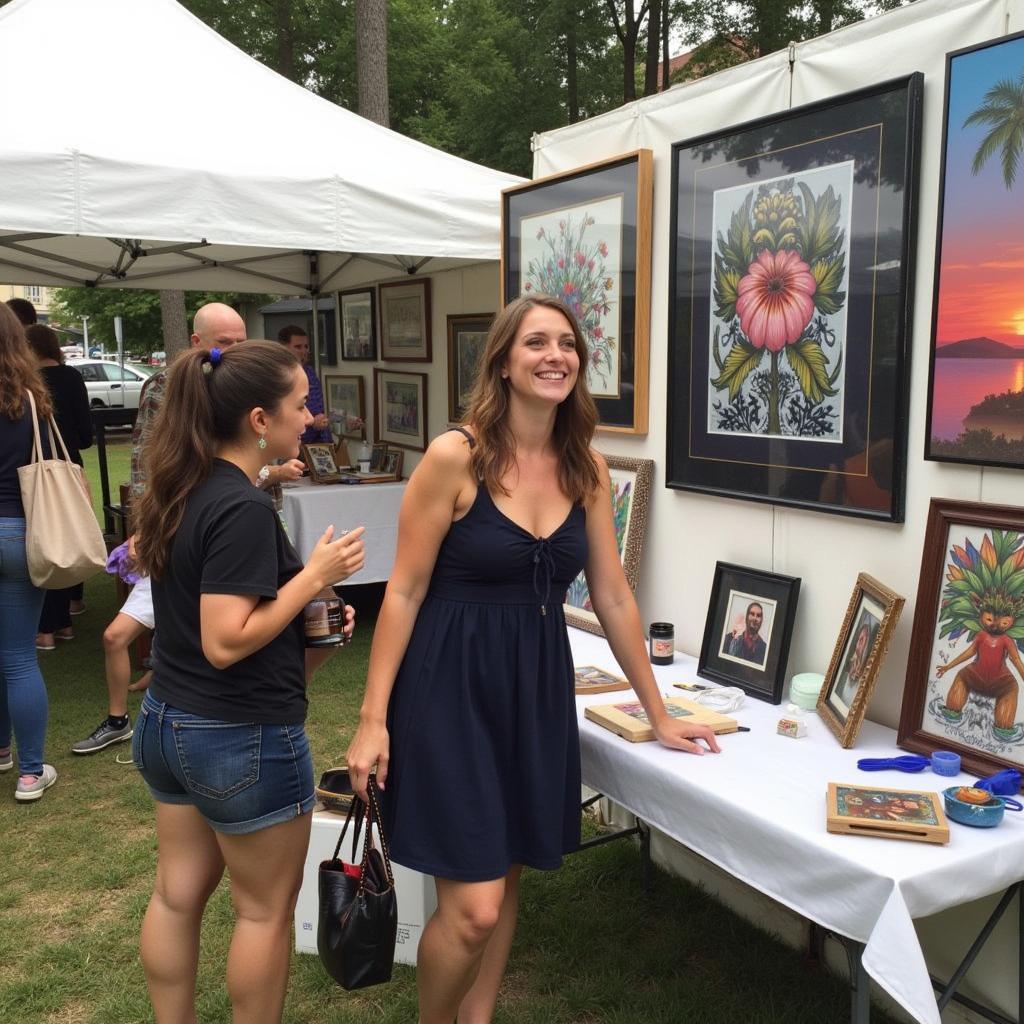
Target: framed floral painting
point(401, 408)
point(631, 493)
point(585, 237)
point(976, 376)
point(790, 304)
point(966, 664)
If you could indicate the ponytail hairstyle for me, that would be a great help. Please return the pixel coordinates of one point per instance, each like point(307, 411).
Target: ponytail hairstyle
point(19, 371)
point(209, 394)
point(487, 408)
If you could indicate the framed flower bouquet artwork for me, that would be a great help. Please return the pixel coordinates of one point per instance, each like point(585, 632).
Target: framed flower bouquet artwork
point(967, 647)
point(357, 324)
point(405, 321)
point(790, 304)
point(345, 404)
point(748, 630)
point(976, 375)
point(584, 236)
point(860, 649)
point(466, 336)
point(631, 493)
point(401, 408)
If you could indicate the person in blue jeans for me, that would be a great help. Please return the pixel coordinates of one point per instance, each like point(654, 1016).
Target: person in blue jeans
point(220, 738)
point(23, 702)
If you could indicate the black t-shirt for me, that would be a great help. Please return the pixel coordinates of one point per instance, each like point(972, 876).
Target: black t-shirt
point(15, 450)
point(229, 542)
point(71, 406)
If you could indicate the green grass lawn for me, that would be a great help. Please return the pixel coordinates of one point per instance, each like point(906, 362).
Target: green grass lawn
point(77, 868)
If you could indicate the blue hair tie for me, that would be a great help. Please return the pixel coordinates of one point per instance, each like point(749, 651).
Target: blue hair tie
point(215, 355)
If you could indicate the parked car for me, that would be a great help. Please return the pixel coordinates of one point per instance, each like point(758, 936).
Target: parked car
point(158, 358)
point(108, 385)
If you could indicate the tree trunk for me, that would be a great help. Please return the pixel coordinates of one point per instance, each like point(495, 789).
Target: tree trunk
point(826, 15)
point(653, 39)
point(666, 58)
point(285, 39)
point(571, 71)
point(372, 59)
point(174, 322)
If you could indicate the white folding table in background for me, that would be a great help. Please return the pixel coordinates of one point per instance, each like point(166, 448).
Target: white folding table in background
point(310, 508)
point(758, 812)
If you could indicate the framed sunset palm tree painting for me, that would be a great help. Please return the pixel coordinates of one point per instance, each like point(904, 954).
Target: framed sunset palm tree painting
point(790, 304)
point(631, 493)
point(976, 374)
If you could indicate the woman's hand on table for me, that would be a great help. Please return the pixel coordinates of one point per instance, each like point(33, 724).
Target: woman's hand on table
point(288, 471)
point(370, 747)
point(683, 736)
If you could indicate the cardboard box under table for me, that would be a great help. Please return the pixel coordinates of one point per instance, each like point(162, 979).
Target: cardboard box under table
point(415, 893)
point(758, 811)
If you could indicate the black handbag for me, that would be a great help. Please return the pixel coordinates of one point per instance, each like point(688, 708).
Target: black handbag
point(358, 921)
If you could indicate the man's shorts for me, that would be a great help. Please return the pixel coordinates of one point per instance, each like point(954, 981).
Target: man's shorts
point(139, 605)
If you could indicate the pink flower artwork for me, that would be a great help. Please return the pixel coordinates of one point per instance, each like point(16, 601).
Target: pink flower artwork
point(775, 301)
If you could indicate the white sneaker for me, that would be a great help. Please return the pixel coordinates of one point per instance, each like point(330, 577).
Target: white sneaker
point(32, 787)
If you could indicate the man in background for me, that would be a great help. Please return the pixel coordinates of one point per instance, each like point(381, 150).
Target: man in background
point(319, 431)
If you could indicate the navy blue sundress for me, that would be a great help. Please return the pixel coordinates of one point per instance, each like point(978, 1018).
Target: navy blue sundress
point(485, 761)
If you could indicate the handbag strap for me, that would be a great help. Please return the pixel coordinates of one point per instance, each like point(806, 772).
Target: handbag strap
point(37, 443)
point(357, 809)
point(373, 818)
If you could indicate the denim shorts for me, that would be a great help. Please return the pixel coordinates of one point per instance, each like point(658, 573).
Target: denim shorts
point(241, 777)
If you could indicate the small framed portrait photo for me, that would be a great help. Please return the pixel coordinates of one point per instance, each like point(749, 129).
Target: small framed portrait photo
point(392, 462)
point(748, 630)
point(871, 617)
point(321, 462)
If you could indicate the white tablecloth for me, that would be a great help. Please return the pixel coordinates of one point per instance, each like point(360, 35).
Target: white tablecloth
point(310, 508)
point(758, 811)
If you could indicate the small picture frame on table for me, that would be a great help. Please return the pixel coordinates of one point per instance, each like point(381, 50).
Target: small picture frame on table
point(863, 642)
point(748, 630)
point(392, 462)
point(321, 462)
point(377, 453)
point(405, 321)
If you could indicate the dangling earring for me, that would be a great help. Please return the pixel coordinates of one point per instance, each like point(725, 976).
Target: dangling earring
point(261, 443)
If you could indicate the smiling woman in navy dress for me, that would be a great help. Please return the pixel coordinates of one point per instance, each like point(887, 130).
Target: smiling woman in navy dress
point(469, 713)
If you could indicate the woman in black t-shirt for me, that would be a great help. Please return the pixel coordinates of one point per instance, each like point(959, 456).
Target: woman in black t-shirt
point(219, 739)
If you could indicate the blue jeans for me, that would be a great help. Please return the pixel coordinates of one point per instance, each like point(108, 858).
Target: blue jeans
point(241, 777)
point(23, 701)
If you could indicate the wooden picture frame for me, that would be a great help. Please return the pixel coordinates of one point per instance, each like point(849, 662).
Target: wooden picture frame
point(345, 393)
point(357, 324)
point(377, 451)
point(400, 408)
point(797, 396)
point(467, 333)
point(631, 495)
point(589, 679)
point(749, 629)
point(585, 236)
point(321, 462)
point(863, 642)
point(970, 600)
point(392, 462)
point(886, 813)
point(975, 397)
point(405, 321)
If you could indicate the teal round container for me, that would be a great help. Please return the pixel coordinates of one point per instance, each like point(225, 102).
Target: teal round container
point(804, 688)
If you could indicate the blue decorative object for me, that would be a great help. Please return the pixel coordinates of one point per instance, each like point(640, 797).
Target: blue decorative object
point(904, 763)
point(986, 815)
point(945, 762)
point(215, 355)
point(1004, 783)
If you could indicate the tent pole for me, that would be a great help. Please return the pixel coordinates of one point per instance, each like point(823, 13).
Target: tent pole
point(314, 292)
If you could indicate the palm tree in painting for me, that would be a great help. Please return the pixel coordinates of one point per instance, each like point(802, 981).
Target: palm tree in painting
point(1003, 113)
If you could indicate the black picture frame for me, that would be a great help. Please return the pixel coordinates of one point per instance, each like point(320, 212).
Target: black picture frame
point(821, 423)
point(357, 324)
point(599, 215)
point(734, 591)
point(974, 387)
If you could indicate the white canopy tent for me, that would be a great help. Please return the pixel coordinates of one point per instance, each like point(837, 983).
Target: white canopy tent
point(145, 150)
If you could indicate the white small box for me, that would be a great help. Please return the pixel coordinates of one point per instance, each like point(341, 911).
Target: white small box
point(416, 895)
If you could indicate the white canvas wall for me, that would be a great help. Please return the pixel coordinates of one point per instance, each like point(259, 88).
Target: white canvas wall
point(688, 532)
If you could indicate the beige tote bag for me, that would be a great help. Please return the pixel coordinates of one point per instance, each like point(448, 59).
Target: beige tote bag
point(63, 542)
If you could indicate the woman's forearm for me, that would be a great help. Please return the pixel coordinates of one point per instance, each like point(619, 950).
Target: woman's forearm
point(390, 640)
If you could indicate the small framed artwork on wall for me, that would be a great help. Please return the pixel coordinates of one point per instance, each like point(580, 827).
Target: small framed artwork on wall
point(357, 324)
point(466, 336)
point(405, 321)
point(401, 408)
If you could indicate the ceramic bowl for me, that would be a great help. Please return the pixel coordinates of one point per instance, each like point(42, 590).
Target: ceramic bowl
point(986, 815)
